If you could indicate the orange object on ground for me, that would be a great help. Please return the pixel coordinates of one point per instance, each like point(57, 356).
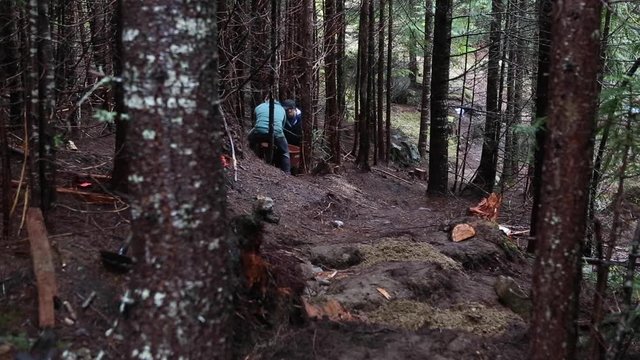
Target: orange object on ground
point(294, 155)
point(488, 208)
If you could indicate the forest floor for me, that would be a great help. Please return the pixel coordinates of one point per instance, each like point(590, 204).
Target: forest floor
point(382, 277)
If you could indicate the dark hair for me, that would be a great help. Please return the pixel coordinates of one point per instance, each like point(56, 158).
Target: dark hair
point(289, 104)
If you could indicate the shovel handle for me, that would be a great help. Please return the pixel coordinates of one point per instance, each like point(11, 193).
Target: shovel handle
point(125, 246)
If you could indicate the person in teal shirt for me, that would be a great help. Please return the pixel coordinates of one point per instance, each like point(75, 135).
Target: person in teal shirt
point(260, 133)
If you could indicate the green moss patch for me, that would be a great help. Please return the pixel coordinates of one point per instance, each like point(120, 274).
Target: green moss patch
point(471, 317)
point(404, 249)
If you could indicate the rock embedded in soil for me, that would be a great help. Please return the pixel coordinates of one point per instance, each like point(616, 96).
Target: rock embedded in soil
point(335, 256)
point(512, 296)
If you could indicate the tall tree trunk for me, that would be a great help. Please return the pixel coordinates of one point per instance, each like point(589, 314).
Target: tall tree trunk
point(426, 79)
point(8, 70)
point(388, 84)
point(486, 175)
point(575, 63)
point(5, 172)
point(509, 56)
point(177, 206)
point(461, 113)
point(606, 128)
point(121, 157)
point(306, 91)
point(519, 63)
point(439, 132)
point(340, 72)
point(371, 80)
point(412, 66)
point(64, 74)
point(380, 84)
point(43, 106)
point(7, 58)
point(331, 111)
point(362, 160)
point(542, 109)
point(9, 61)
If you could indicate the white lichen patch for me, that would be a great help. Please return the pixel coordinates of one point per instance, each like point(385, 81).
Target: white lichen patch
point(145, 354)
point(149, 134)
point(158, 298)
point(181, 48)
point(135, 178)
point(182, 218)
point(214, 245)
point(134, 101)
point(192, 27)
point(129, 35)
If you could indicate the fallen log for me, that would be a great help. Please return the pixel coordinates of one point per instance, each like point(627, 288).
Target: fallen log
point(42, 267)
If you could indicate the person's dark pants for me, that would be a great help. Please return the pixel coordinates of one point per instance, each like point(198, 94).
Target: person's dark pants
point(281, 149)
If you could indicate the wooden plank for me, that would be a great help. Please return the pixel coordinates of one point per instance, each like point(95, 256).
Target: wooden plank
point(42, 267)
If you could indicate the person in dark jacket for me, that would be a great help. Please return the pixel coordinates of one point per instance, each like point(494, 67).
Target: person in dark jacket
point(293, 124)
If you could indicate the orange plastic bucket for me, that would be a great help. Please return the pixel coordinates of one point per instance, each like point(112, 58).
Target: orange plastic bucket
point(294, 155)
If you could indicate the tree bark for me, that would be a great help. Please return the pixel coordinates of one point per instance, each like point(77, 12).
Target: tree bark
point(331, 110)
point(362, 160)
point(44, 79)
point(306, 91)
point(426, 79)
point(340, 62)
point(121, 157)
point(412, 66)
point(388, 83)
point(541, 109)
point(575, 63)
point(486, 175)
point(380, 83)
point(439, 143)
point(181, 279)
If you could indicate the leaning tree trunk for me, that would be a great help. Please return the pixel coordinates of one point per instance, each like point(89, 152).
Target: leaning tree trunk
point(426, 79)
point(486, 175)
point(439, 152)
point(180, 284)
point(575, 63)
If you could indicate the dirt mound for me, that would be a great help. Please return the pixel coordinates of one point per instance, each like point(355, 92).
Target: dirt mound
point(405, 249)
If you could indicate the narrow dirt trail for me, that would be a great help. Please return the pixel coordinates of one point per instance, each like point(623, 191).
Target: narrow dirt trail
point(382, 272)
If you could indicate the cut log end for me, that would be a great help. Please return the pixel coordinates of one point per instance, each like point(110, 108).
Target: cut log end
point(462, 232)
